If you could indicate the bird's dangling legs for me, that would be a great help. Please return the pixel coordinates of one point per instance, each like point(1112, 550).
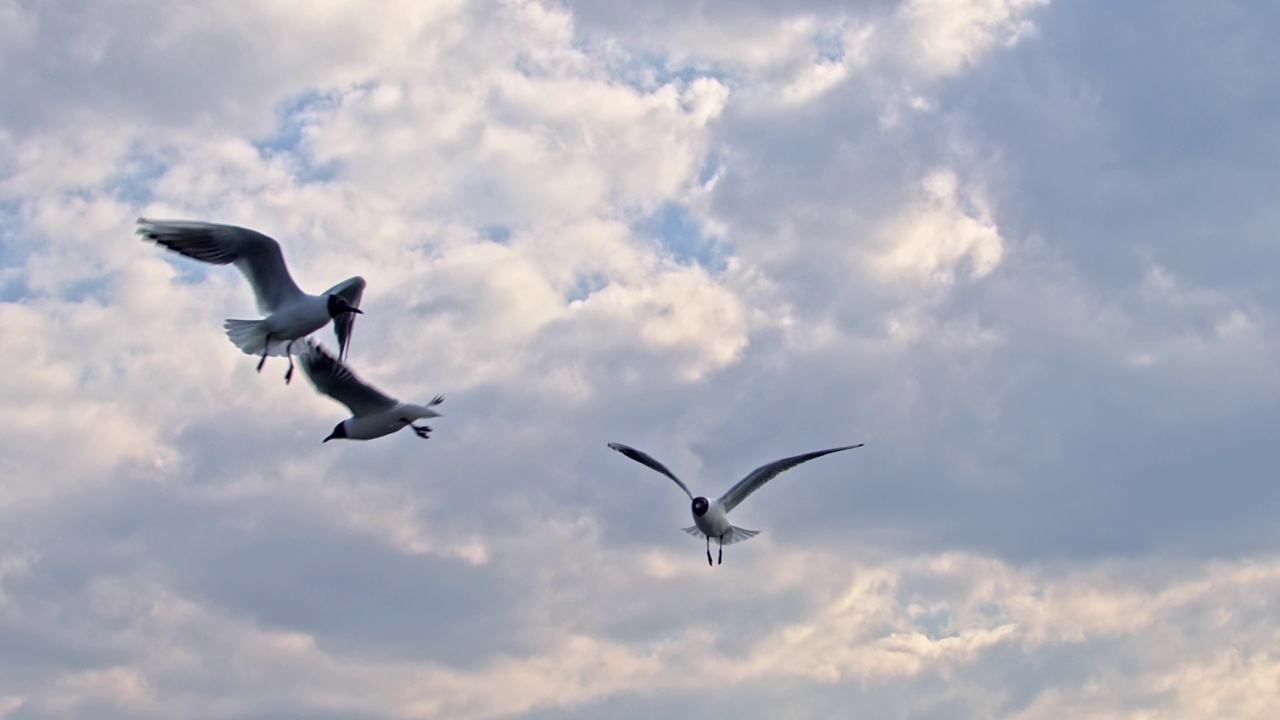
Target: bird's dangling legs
point(288, 350)
point(266, 348)
point(423, 432)
point(720, 553)
point(708, 537)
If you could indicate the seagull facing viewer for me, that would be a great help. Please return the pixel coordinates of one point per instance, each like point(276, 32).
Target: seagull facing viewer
point(711, 518)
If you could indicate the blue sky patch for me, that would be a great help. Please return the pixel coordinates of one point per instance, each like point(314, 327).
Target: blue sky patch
point(675, 228)
point(10, 256)
point(585, 285)
point(90, 288)
point(498, 233)
point(13, 285)
point(712, 165)
point(292, 117)
point(138, 172)
point(647, 71)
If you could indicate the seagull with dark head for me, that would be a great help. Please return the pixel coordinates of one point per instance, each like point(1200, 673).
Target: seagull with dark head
point(372, 413)
point(711, 517)
point(291, 313)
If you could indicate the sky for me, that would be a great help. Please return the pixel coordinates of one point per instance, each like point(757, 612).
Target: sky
point(1025, 250)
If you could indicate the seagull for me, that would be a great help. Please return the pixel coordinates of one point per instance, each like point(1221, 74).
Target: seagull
point(711, 518)
point(372, 413)
point(291, 313)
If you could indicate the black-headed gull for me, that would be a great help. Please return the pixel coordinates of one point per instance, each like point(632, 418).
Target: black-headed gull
point(711, 517)
point(291, 313)
point(372, 413)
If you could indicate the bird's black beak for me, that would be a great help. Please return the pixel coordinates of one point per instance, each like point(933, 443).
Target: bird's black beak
point(357, 311)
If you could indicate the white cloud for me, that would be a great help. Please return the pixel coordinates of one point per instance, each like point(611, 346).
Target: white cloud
point(867, 626)
point(1066, 418)
point(948, 35)
point(948, 233)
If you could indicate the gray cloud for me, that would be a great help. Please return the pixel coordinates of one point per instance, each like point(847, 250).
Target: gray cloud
point(1016, 248)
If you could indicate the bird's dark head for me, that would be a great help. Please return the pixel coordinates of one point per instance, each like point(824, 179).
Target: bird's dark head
point(700, 506)
point(339, 433)
point(339, 305)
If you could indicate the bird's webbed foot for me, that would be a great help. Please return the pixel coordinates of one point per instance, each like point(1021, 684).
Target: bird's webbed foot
point(422, 431)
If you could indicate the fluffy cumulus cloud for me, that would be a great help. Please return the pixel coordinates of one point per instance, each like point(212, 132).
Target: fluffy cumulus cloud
point(1018, 248)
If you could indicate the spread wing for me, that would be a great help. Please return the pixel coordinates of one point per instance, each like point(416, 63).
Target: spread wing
point(644, 459)
point(351, 290)
point(765, 473)
point(255, 254)
point(332, 378)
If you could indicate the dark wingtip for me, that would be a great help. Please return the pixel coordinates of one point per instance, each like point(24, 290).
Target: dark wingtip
point(633, 454)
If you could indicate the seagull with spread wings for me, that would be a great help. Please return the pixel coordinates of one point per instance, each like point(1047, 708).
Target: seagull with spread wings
point(291, 313)
point(711, 517)
point(372, 413)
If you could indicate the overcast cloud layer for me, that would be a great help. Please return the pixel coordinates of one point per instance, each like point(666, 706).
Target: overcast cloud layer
point(1024, 250)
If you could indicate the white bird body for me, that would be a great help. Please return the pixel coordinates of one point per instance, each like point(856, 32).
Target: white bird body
point(291, 314)
point(385, 422)
point(297, 318)
point(711, 517)
point(373, 414)
point(713, 523)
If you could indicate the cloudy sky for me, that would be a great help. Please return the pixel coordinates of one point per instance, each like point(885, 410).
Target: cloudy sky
point(1025, 250)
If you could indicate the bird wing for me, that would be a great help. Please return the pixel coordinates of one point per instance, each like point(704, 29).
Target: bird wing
point(332, 378)
point(644, 459)
point(351, 290)
point(255, 254)
point(765, 473)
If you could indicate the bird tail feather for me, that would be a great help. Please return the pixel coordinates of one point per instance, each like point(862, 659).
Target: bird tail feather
point(251, 335)
point(735, 535)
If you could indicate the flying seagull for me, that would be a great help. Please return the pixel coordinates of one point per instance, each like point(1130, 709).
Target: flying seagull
point(291, 313)
point(711, 518)
point(372, 413)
